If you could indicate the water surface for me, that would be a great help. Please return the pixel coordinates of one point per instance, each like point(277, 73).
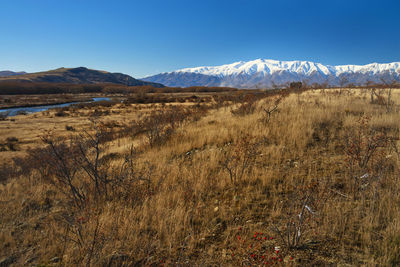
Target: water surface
point(28, 110)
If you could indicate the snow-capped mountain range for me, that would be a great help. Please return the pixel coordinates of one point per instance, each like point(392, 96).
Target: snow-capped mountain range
point(267, 73)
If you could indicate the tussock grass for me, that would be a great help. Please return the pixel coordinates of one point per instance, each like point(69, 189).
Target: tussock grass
point(179, 205)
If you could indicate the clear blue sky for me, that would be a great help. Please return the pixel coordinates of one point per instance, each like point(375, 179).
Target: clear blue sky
point(148, 36)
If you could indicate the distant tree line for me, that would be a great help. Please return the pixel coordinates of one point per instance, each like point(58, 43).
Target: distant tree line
point(343, 83)
point(296, 85)
point(28, 88)
point(32, 88)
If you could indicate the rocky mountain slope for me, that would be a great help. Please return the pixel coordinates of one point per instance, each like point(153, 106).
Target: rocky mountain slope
point(266, 73)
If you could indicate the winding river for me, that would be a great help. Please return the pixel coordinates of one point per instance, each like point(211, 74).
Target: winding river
point(27, 110)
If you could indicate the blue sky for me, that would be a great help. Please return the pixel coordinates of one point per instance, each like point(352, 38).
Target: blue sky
point(147, 37)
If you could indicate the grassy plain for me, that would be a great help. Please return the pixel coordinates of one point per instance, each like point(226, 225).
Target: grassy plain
point(290, 179)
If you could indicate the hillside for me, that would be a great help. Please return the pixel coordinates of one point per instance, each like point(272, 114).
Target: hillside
point(266, 73)
point(6, 73)
point(79, 75)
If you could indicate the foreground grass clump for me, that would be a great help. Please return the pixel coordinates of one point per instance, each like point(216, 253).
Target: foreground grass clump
point(289, 179)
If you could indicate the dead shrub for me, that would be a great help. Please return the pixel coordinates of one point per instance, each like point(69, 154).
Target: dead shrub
point(239, 158)
point(10, 144)
point(366, 149)
point(248, 106)
point(159, 125)
point(301, 214)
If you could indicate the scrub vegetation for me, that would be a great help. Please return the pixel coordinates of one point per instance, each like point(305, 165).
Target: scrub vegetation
point(286, 178)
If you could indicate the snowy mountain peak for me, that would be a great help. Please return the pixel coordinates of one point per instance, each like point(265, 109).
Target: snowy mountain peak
point(265, 66)
point(270, 66)
point(264, 73)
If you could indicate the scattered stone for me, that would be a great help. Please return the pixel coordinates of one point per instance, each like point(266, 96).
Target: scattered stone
point(30, 260)
point(216, 209)
point(55, 259)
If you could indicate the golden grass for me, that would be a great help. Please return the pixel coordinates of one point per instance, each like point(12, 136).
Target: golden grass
point(190, 212)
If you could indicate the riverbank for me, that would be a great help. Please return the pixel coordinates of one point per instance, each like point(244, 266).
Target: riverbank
point(21, 101)
point(33, 109)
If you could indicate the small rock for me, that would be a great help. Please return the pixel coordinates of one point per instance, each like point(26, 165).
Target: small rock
point(30, 260)
point(55, 259)
point(216, 209)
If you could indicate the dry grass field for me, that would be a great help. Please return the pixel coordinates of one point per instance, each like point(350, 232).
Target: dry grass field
point(288, 179)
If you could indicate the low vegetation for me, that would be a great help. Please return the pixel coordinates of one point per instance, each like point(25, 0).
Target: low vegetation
point(286, 178)
point(29, 88)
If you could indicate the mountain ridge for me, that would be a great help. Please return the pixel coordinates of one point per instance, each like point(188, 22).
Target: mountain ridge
point(79, 75)
point(269, 73)
point(6, 73)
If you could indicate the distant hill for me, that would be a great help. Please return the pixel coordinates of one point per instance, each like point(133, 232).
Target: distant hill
point(6, 73)
point(267, 73)
point(79, 75)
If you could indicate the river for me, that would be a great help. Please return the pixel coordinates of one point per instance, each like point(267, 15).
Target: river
point(27, 110)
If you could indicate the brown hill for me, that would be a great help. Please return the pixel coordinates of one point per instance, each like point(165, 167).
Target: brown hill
point(79, 75)
point(6, 73)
